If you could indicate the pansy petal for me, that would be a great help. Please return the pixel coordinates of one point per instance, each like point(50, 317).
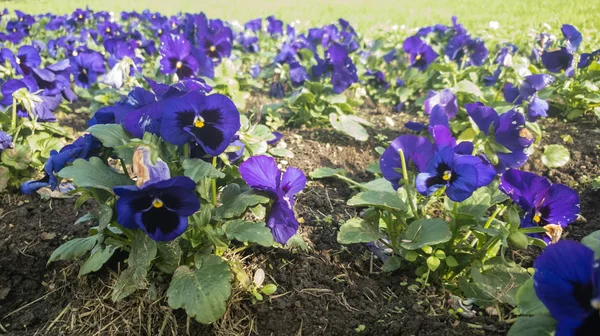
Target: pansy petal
point(537, 108)
point(293, 181)
point(483, 116)
point(282, 222)
point(573, 37)
point(463, 186)
point(563, 203)
point(261, 172)
point(563, 282)
point(161, 224)
point(523, 187)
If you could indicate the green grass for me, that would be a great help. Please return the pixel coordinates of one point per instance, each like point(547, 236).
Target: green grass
point(516, 15)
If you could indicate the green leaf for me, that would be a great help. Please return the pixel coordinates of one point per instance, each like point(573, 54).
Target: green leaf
point(236, 202)
point(593, 242)
point(539, 325)
point(244, 231)
point(426, 232)
point(94, 173)
point(17, 157)
point(555, 156)
point(104, 216)
point(197, 169)
point(451, 261)
point(500, 282)
point(74, 248)
point(392, 263)
point(350, 126)
point(168, 256)
point(433, 263)
point(380, 199)
point(357, 230)
point(323, 172)
point(111, 135)
point(379, 184)
point(143, 251)
point(527, 300)
point(95, 261)
point(202, 291)
point(468, 87)
point(281, 152)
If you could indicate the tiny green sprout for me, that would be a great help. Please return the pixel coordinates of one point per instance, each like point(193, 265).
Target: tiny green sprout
point(269, 289)
point(328, 219)
point(360, 328)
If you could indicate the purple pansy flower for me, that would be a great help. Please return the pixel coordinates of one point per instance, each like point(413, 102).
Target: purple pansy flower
point(421, 54)
point(261, 173)
point(177, 58)
point(527, 93)
point(563, 59)
point(508, 131)
point(551, 206)
point(460, 174)
point(210, 121)
point(26, 58)
point(5, 141)
point(86, 67)
point(417, 149)
point(253, 25)
point(274, 26)
point(445, 98)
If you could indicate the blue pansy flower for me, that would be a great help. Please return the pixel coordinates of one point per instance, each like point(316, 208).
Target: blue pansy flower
point(161, 209)
point(567, 281)
point(417, 149)
point(5, 141)
point(210, 121)
point(460, 174)
point(527, 93)
point(445, 98)
point(261, 173)
point(421, 54)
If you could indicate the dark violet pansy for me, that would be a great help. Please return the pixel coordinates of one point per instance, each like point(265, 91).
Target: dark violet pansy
point(563, 58)
point(415, 126)
point(274, 26)
point(210, 121)
point(26, 58)
point(5, 141)
point(84, 147)
point(567, 281)
point(297, 74)
point(344, 71)
point(277, 136)
point(417, 149)
point(551, 206)
point(507, 131)
point(390, 56)
point(527, 93)
point(261, 173)
point(460, 174)
point(86, 67)
point(177, 58)
point(276, 90)
point(492, 79)
point(377, 79)
point(160, 209)
point(55, 79)
point(37, 106)
point(216, 44)
point(466, 50)
point(253, 25)
point(445, 98)
point(421, 54)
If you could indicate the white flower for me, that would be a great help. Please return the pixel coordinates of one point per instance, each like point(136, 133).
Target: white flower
point(494, 25)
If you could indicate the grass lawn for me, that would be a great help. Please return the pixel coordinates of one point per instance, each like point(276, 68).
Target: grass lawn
point(511, 14)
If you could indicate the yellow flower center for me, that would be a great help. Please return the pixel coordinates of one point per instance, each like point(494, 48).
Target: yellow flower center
point(153, 17)
point(212, 48)
point(21, 19)
point(84, 71)
point(14, 30)
point(179, 65)
point(537, 218)
point(198, 122)
point(75, 53)
point(157, 203)
point(80, 16)
point(418, 57)
point(107, 30)
point(160, 31)
point(17, 60)
point(447, 175)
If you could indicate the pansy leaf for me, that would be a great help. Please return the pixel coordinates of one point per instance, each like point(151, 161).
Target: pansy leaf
point(74, 248)
point(94, 173)
point(469, 87)
point(202, 291)
point(323, 172)
point(143, 251)
point(380, 199)
point(236, 202)
point(168, 255)
point(349, 126)
point(527, 300)
point(17, 157)
point(593, 242)
point(357, 230)
point(500, 282)
point(555, 156)
point(244, 231)
point(96, 260)
point(380, 184)
point(426, 232)
point(197, 169)
point(113, 136)
point(392, 263)
point(542, 325)
point(281, 152)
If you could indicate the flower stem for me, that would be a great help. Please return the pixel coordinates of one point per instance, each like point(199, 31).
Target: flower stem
point(214, 183)
point(124, 166)
point(350, 181)
point(186, 150)
point(13, 123)
point(413, 207)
